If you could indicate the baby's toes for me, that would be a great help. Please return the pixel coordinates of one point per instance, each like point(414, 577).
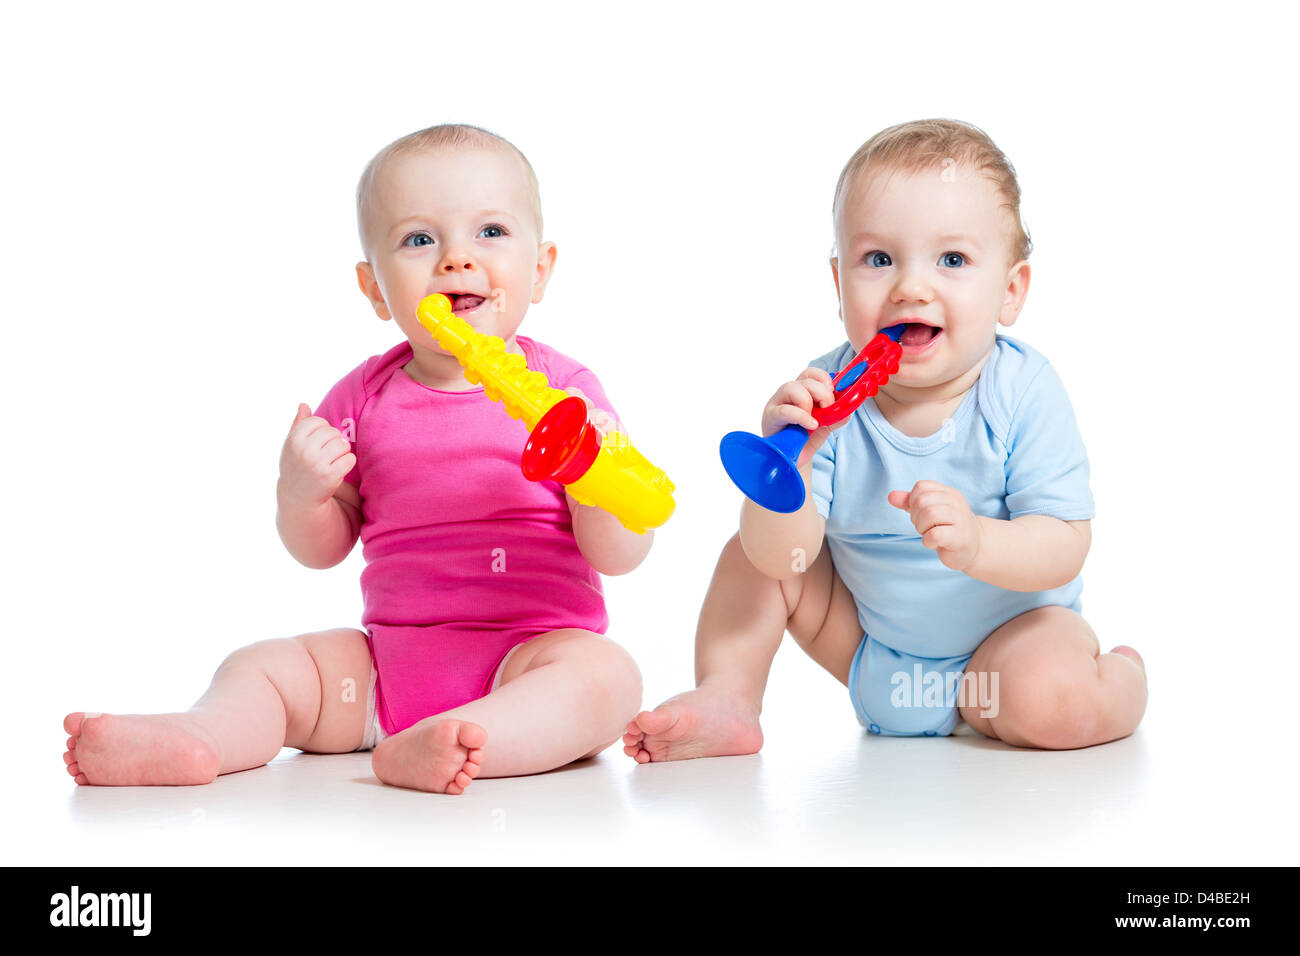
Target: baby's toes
point(633, 744)
point(472, 737)
point(460, 779)
point(74, 721)
point(657, 721)
point(450, 765)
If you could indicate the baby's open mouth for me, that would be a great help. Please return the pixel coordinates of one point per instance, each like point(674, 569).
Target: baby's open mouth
point(462, 302)
point(918, 333)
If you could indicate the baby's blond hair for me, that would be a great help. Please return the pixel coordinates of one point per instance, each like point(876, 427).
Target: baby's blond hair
point(938, 143)
point(434, 138)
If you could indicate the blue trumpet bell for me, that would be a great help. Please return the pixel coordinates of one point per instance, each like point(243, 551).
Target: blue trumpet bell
point(764, 468)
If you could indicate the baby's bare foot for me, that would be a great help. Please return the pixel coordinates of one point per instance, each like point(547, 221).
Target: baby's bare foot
point(700, 723)
point(138, 750)
point(439, 756)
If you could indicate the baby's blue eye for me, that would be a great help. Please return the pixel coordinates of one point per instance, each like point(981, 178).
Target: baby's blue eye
point(953, 260)
point(415, 239)
point(492, 232)
point(874, 260)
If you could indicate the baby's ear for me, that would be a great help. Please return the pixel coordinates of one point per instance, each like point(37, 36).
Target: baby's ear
point(546, 253)
point(1017, 289)
point(370, 289)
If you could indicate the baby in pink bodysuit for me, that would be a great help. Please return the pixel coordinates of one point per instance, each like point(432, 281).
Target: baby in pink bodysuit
point(483, 651)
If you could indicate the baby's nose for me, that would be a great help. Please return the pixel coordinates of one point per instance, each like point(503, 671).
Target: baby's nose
point(456, 262)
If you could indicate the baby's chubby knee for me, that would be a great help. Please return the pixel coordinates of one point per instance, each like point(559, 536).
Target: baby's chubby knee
point(1051, 705)
point(615, 684)
point(608, 680)
point(616, 678)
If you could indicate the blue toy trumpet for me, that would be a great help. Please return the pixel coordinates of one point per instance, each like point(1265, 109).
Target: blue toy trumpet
point(764, 468)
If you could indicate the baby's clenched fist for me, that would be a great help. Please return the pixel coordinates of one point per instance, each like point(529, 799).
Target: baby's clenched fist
point(944, 520)
point(314, 461)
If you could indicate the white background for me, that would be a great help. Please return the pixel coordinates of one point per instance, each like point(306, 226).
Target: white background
point(179, 243)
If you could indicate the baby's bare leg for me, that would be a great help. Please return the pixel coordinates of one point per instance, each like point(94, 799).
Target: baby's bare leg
point(744, 617)
point(1048, 685)
point(307, 692)
point(824, 617)
point(562, 696)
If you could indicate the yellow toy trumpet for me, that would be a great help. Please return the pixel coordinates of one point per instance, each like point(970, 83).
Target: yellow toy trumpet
point(562, 444)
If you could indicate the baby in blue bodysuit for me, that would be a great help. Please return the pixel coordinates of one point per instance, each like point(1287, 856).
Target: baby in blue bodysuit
point(934, 567)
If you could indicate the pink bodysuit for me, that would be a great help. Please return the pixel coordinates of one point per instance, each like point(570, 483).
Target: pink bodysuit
point(465, 558)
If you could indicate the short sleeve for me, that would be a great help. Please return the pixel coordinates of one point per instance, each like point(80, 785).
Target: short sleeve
point(341, 407)
point(563, 372)
point(1046, 466)
point(823, 473)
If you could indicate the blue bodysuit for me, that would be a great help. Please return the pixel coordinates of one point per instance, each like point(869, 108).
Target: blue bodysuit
point(1012, 448)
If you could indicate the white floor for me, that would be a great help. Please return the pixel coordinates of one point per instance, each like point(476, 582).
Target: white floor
point(821, 791)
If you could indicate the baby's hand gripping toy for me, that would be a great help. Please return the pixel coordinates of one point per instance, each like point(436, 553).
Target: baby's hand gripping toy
point(764, 468)
point(562, 445)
